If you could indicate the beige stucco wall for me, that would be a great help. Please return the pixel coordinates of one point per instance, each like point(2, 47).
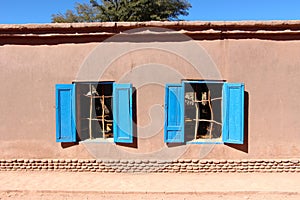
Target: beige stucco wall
point(269, 69)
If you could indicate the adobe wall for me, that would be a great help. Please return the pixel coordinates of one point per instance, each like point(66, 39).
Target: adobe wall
point(267, 66)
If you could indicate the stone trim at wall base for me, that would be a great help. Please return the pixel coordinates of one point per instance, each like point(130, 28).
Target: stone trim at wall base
point(151, 166)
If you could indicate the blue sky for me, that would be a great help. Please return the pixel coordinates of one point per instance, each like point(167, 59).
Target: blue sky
point(39, 11)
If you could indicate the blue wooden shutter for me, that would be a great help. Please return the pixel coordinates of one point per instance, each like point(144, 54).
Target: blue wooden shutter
point(174, 113)
point(65, 113)
point(233, 113)
point(122, 113)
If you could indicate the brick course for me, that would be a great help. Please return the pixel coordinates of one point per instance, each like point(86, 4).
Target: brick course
point(151, 166)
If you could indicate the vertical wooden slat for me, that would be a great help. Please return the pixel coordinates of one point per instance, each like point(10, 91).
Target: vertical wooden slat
point(233, 113)
point(174, 113)
point(122, 113)
point(65, 113)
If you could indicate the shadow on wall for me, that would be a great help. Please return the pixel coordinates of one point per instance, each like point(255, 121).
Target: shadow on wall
point(245, 146)
point(78, 39)
point(65, 145)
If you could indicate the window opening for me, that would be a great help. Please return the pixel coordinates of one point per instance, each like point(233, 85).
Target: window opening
point(203, 111)
point(94, 105)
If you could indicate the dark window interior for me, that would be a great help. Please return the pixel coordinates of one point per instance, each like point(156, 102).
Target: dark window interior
point(203, 111)
point(94, 110)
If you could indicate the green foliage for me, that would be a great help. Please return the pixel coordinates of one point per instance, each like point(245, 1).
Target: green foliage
point(125, 10)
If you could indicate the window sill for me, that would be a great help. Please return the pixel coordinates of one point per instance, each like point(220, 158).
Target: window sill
point(98, 140)
point(206, 141)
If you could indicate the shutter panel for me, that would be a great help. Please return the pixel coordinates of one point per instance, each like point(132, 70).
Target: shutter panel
point(174, 113)
point(65, 113)
point(233, 113)
point(122, 113)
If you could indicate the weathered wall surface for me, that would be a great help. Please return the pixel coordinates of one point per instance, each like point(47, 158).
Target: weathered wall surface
point(270, 72)
point(268, 67)
point(28, 78)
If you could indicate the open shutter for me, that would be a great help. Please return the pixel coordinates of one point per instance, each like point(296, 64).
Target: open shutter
point(65, 113)
point(233, 113)
point(122, 112)
point(174, 113)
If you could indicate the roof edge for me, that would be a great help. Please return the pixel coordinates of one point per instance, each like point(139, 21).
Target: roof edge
point(114, 27)
point(58, 33)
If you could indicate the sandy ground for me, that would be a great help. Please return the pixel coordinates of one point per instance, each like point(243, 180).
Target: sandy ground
point(35, 195)
point(68, 185)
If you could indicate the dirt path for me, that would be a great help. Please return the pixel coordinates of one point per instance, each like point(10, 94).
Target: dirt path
point(37, 195)
point(67, 185)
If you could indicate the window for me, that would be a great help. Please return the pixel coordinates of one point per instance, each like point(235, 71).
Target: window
point(204, 112)
point(202, 108)
point(94, 110)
